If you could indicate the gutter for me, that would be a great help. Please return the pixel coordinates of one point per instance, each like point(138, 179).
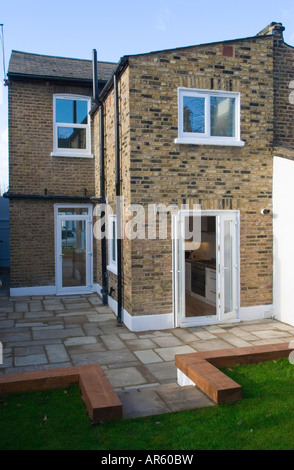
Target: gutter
point(118, 205)
point(45, 197)
point(98, 104)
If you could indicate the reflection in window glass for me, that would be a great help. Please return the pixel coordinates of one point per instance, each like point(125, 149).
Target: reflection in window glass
point(71, 111)
point(72, 211)
point(71, 138)
point(194, 114)
point(222, 114)
point(113, 254)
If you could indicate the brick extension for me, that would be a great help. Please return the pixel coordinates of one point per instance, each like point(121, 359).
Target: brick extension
point(101, 400)
point(202, 368)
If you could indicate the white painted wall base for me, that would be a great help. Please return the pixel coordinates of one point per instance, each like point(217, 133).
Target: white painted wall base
point(183, 380)
point(283, 249)
point(31, 291)
point(141, 322)
point(257, 312)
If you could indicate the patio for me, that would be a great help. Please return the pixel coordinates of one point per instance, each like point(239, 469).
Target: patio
point(45, 332)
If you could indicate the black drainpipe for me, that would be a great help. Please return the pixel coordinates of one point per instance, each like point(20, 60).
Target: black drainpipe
point(118, 206)
point(103, 212)
point(104, 291)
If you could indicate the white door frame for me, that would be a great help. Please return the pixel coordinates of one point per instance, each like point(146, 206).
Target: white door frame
point(88, 218)
point(180, 320)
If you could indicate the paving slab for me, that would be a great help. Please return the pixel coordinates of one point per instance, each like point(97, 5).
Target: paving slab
point(125, 377)
point(139, 403)
point(43, 332)
point(148, 356)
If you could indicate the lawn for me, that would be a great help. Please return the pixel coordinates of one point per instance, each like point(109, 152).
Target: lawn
point(263, 420)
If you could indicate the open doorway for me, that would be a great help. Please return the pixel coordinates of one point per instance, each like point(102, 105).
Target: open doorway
point(200, 271)
point(205, 267)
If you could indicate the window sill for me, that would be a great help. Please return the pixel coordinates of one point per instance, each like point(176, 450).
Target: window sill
point(225, 143)
point(112, 269)
point(71, 155)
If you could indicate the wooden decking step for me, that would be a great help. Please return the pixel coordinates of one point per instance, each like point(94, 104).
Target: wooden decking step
point(100, 399)
point(201, 368)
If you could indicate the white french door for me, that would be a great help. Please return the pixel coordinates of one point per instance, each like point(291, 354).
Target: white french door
point(73, 249)
point(206, 273)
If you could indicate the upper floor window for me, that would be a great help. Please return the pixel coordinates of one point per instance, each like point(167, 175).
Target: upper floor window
point(72, 133)
point(208, 117)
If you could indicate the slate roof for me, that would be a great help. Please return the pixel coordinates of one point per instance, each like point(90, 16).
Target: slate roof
point(24, 64)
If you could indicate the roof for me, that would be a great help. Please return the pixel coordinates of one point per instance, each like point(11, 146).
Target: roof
point(24, 64)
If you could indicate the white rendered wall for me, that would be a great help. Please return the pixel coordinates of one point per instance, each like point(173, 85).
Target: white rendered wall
point(283, 243)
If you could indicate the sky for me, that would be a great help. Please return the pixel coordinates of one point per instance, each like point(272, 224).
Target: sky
point(71, 28)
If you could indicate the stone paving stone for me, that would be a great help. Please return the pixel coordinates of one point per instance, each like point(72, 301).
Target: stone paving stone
point(214, 329)
point(240, 333)
point(28, 350)
point(204, 335)
point(7, 309)
point(6, 324)
point(112, 342)
point(234, 341)
point(35, 306)
point(125, 377)
point(80, 340)
point(70, 313)
point(154, 334)
point(168, 341)
point(183, 398)
point(148, 356)
point(163, 371)
point(126, 336)
point(136, 344)
point(39, 314)
point(168, 354)
point(104, 309)
point(141, 403)
point(269, 334)
point(46, 333)
point(56, 353)
point(104, 357)
point(210, 345)
point(99, 317)
point(184, 334)
point(30, 360)
point(85, 349)
point(21, 307)
point(91, 329)
point(16, 335)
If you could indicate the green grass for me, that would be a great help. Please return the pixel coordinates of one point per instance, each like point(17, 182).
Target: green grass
point(263, 420)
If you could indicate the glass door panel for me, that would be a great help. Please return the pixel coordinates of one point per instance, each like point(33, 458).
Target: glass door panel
point(74, 249)
point(228, 267)
point(178, 263)
point(200, 266)
point(73, 253)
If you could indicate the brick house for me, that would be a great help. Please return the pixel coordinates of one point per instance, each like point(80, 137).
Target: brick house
point(194, 138)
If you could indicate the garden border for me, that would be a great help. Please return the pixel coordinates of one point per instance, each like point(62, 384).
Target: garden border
point(202, 368)
point(100, 399)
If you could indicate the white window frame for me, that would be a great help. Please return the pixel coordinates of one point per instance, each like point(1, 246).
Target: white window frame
point(112, 235)
point(205, 138)
point(63, 152)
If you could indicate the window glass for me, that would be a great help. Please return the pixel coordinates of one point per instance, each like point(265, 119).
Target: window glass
point(71, 138)
point(72, 211)
point(193, 114)
point(113, 254)
point(222, 115)
point(71, 111)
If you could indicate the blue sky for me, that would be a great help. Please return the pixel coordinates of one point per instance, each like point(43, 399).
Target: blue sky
point(71, 28)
